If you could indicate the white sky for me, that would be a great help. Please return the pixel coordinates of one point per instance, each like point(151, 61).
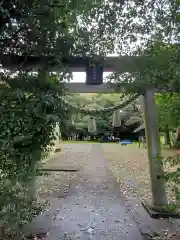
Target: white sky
point(81, 76)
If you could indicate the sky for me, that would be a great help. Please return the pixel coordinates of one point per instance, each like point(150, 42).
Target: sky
point(81, 76)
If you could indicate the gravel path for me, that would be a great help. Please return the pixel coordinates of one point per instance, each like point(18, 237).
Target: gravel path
point(93, 208)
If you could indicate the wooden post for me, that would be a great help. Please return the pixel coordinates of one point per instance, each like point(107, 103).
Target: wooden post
point(153, 145)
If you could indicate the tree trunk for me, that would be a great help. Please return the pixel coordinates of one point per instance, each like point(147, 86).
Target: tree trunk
point(92, 137)
point(32, 193)
point(177, 138)
point(31, 183)
point(167, 137)
point(177, 134)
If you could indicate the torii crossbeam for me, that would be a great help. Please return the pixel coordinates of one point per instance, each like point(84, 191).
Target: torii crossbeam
point(75, 64)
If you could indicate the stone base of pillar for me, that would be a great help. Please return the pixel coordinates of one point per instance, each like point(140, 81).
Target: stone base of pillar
point(159, 211)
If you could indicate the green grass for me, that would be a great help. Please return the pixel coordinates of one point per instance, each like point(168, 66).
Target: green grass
point(90, 142)
point(76, 142)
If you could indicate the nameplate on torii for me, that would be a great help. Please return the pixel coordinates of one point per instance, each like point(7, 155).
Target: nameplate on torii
point(94, 74)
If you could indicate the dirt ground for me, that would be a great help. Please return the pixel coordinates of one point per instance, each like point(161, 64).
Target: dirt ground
point(128, 163)
point(131, 168)
point(56, 183)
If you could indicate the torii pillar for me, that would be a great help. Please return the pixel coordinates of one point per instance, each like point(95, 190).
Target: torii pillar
point(153, 146)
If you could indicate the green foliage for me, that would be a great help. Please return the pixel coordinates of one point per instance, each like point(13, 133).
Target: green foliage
point(30, 104)
point(168, 116)
point(150, 28)
point(100, 106)
point(27, 125)
point(43, 27)
point(163, 66)
point(173, 179)
point(168, 110)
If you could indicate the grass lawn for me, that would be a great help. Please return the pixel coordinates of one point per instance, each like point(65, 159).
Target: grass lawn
point(76, 142)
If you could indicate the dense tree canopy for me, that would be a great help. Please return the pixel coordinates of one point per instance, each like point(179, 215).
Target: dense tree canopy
point(168, 110)
point(151, 28)
point(32, 103)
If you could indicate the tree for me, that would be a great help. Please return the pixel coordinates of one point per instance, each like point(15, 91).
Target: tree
point(168, 114)
point(150, 28)
point(32, 103)
point(130, 116)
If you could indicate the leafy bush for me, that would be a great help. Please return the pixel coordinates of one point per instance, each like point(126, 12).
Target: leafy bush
point(28, 117)
point(172, 177)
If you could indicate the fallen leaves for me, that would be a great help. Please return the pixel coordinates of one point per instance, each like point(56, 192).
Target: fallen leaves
point(130, 166)
point(57, 184)
point(164, 235)
point(37, 236)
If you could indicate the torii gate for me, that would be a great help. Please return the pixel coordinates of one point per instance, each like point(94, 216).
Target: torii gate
point(94, 83)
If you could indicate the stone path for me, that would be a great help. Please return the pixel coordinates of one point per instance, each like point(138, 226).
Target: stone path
point(94, 208)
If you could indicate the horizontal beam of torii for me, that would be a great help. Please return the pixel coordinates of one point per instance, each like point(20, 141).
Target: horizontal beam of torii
point(75, 64)
point(79, 64)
